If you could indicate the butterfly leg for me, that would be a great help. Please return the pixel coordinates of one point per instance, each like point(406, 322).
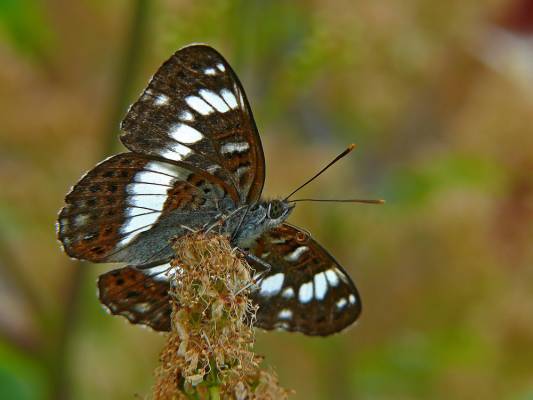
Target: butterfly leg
point(221, 219)
point(236, 230)
point(251, 258)
point(256, 260)
point(187, 228)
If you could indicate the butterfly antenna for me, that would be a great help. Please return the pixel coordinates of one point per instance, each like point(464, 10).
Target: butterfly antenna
point(344, 153)
point(366, 201)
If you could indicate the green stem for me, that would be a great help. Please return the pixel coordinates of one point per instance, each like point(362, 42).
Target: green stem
point(214, 392)
point(213, 381)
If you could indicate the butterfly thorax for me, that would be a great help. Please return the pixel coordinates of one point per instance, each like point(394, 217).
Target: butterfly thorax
point(252, 221)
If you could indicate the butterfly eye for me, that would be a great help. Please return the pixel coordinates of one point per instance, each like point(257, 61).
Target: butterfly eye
point(275, 209)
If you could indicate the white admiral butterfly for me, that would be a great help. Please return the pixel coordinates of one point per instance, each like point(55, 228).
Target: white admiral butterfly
point(196, 158)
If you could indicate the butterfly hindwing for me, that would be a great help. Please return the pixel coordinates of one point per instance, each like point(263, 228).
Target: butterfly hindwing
point(194, 110)
point(128, 207)
point(306, 290)
point(140, 296)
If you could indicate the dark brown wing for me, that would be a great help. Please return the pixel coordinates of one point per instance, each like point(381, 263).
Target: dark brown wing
point(306, 290)
point(128, 207)
point(140, 296)
point(194, 110)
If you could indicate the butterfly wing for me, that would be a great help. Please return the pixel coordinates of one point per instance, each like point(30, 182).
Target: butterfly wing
point(195, 111)
point(140, 296)
point(194, 128)
point(306, 290)
point(128, 207)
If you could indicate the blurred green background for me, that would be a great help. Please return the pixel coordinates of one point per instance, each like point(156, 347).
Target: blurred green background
point(437, 95)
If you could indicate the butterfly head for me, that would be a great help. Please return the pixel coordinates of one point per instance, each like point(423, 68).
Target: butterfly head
point(259, 218)
point(277, 211)
point(270, 213)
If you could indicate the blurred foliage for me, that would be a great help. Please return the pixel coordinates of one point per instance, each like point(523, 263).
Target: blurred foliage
point(445, 268)
point(26, 26)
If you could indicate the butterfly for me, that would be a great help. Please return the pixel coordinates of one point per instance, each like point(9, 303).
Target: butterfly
point(196, 159)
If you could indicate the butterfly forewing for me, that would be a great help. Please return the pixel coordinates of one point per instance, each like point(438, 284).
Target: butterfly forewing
point(128, 207)
point(194, 110)
point(140, 296)
point(306, 290)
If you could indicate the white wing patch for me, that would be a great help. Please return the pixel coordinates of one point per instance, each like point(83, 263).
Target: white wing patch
point(185, 134)
point(214, 100)
point(271, 285)
point(186, 116)
point(199, 105)
point(153, 177)
point(236, 147)
point(80, 220)
point(161, 100)
point(167, 169)
point(321, 286)
point(332, 277)
point(161, 272)
point(154, 202)
point(175, 152)
point(285, 314)
point(210, 71)
point(341, 303)
point(221, 67)
point(229, 97)
point(134, 211)
point(147, 195)
point(212, 168)
point(305, 294)
point(141, 308)
point(296, 254)
point(137, 224)
point(288, 293)
point(136, 188)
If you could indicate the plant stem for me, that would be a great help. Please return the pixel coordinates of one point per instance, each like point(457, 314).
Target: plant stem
point(214, 392)
point(59, 382)
point(129, 67)
point(214, 383)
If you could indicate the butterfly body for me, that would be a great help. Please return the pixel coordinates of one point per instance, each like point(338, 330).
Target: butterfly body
point(196, 164)
point(246, 226)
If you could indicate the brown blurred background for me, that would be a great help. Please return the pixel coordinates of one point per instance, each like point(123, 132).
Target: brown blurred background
point(437, 95)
